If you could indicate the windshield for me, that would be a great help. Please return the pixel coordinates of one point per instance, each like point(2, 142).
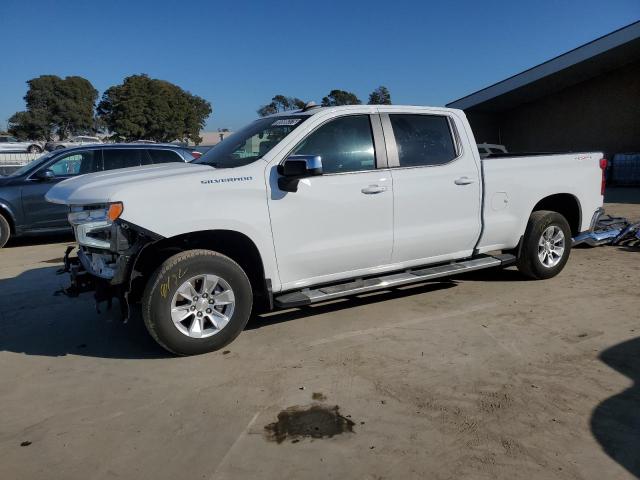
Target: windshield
point(32, 165)
point(251, 142)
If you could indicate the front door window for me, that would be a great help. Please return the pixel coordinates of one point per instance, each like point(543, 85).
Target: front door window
point(75, 163)
point(345, 145)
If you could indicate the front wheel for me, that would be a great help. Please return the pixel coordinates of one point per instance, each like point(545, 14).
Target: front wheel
point(546, 245)
point(34, 149)
point(198, 301)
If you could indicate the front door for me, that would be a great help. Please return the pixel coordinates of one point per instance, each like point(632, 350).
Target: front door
point(40, 214)
point(339, 224)
point(437, 191)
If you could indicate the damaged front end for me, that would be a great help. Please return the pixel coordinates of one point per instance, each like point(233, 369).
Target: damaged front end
point(107, 249)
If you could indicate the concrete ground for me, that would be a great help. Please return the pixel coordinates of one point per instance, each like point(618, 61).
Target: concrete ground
point(486, 376)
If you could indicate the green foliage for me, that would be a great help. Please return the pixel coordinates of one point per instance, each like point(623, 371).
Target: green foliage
point(148, 108)
point(55, 106)
point(340, 97)
point(380, 96)
point(280, 103)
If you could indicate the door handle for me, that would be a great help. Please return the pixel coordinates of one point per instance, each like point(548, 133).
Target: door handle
point(371, 189)
point(463, 181)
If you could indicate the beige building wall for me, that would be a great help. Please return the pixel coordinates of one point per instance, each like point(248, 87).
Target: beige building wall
point(212, 138)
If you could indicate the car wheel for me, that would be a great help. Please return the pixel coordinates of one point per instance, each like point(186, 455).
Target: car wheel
point(197, 301)
point(34, 149)
point(546, 245)
point(59, 147)
point(5, 231)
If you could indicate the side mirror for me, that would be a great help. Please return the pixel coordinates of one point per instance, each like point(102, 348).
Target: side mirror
point(45, 175)
point(296, 167)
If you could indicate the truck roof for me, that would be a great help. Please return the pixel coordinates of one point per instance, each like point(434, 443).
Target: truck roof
point(387, 108)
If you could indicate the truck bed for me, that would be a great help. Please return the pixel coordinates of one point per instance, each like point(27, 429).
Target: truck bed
point(512, 180)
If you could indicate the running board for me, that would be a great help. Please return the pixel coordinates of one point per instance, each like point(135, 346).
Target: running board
point(362, 285)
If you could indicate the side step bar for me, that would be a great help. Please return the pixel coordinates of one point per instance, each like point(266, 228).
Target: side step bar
point(362, 285)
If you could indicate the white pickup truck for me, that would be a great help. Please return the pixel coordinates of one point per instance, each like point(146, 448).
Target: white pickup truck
point(306, 206)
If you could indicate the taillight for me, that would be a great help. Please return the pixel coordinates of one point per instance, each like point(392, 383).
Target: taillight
point(196, 154)
point(603, 182)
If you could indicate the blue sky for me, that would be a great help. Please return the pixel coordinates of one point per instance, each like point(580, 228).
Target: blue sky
point(238, 54)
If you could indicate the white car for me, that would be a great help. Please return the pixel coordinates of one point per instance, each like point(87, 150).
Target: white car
point(78, 141)
point(12, 144)
point(307, 206)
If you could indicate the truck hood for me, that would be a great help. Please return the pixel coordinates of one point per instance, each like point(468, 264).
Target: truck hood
point(103, 187)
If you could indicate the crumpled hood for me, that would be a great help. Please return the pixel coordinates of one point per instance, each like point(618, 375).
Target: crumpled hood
point(112, 185)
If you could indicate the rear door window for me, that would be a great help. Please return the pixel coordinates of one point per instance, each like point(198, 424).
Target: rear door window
point(164, 156)
point(423, 140)
point(122, 158)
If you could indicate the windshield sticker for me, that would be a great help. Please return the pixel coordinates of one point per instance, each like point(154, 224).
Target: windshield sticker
point(285, 122)
point(228, 179)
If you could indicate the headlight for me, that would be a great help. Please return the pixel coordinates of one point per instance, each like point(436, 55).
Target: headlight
point(92, 223)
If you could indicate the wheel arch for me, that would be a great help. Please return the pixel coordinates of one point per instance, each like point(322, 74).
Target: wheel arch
point(233, 244)
point(567, 205)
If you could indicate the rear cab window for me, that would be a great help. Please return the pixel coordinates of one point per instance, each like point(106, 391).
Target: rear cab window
point(423, 140)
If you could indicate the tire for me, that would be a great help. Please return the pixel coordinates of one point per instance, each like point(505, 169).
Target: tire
point(5, 231)
point(540, 258)
point(163, 293)
point(59, 147)
point(34, 149)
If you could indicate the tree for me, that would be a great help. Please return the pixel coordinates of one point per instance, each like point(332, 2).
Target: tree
point(280, 103)
point(148, 108)
point(380, 96)
point(340, 97)
point(55, 106)
point(30, 125)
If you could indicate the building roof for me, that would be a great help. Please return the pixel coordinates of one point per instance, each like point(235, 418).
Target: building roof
point(601, 55)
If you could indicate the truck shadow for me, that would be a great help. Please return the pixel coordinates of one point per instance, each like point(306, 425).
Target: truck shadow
point(495, 275)
point(34, 321)
point(275, 317)
point(615, 422)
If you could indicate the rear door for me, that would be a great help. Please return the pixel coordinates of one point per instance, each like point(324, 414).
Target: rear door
point(40, 214)
point(436, 185)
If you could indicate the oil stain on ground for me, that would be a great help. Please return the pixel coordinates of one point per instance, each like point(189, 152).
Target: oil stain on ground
point(316, 421)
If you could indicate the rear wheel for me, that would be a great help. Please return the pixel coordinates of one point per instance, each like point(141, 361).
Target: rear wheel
point(198, 301)
point(5, 231)
point(546, 245)
point(34, 149)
